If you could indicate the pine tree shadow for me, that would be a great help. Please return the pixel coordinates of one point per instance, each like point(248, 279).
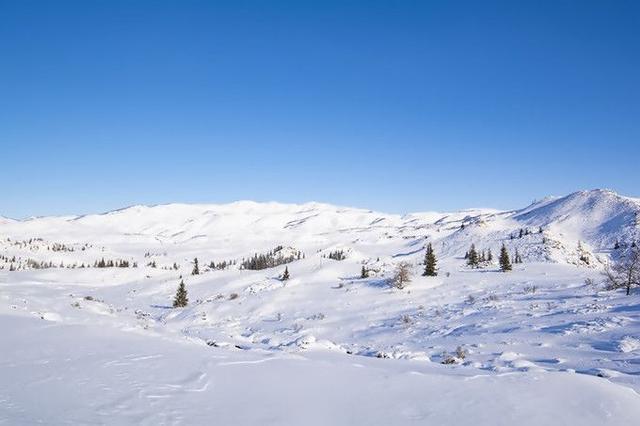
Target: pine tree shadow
point(379, 283)
point(161, 306)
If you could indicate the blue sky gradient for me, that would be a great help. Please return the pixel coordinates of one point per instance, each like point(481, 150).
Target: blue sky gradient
point(395, 106)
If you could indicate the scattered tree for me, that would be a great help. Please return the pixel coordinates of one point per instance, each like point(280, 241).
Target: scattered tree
point(473, 259)
point(271, 259)
point(364, 273)
point(285, 275)
point(181, 300)
point(196, 268)
point(402, 275)
point(624, 273)
point(335, 255)
point(430, 261)
point(505, 263)
point(517, 258)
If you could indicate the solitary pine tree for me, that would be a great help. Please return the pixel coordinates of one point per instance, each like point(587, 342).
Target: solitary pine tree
point(473, 257)
point(196, 268)
point(489, 256)
point(364, 273)
point(285, 275)
point(430, 261)
point(181, 300)
point(505, 263)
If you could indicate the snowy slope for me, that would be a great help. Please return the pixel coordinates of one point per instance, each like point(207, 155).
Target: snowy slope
point(599, 217)
point(326, 340)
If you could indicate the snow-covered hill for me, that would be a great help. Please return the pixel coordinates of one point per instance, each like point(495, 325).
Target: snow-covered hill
point(585, 224)
point(73, 321)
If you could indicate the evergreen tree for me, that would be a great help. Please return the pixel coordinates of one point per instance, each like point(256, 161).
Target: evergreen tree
point(517, 257)
point(181, 300)
point(364, 273)
point(505, 263)
point(489, 256)
point(285, 275)
point(473, 260)
point(430, 261)
point(196, 268)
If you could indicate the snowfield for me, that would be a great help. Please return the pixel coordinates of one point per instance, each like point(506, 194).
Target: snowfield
point(543, 344)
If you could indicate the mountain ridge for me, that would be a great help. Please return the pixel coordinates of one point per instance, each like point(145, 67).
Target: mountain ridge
point(581, 225)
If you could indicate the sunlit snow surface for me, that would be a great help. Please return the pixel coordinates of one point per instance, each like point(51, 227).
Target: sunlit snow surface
point(326, 347)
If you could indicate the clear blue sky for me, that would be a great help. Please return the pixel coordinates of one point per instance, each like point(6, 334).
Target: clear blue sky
point(396, 106)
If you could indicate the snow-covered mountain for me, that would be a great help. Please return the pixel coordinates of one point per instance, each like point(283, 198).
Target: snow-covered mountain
point(583, 225)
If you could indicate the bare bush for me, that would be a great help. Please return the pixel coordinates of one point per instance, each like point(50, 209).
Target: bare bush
point(456, 358)
point(402, 275)
point(624, 273)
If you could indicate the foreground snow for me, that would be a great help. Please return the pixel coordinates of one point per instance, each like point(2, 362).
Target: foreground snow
point(309, 351)
point(55, 373)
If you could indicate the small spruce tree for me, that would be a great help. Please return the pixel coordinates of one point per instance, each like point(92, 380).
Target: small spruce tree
point(473, 260)
point(181, 300)
point(364, 273)
point(430, 261)
point(285, 275)
point(505, 263)
point(196, 268)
